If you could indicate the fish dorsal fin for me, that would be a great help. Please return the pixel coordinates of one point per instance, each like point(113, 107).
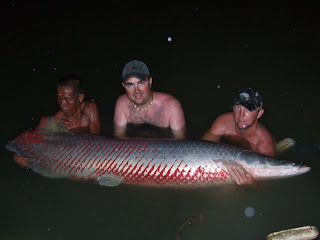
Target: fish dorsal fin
point(109, 180)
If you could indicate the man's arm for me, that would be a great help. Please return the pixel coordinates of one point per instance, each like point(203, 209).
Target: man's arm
point(93, 115)
point(209, 136)
point(267, 150)
point(177, 121)
point(119, 118)
point(266, 144)
point(216, 131)
point(241, 176)
point(21, 161)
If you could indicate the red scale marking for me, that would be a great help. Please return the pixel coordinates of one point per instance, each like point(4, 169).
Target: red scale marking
point(126, 173)
point(147, 176)
point(33, 150)
point(59, 167)
point(177, 170)
point(68, 164)
point(102, 159)
point(81, 167)
point(30, 139)
point(54, 154)
point(125, 150)
point(117, 171)
point(141, 176)
point(136, 173)
point(81, 152)
point(43, 151)
point(121, 173)
point(166, 177)
point(87, 155)
point(105, 159)
point(57, 160)
point(150, 171)
point(159, 178)
point(99, 150)
point(122, 148)
point(46, 156)
point(103, 169)
point(132, 174)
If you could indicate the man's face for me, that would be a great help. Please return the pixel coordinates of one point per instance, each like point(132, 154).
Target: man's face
point(138, 91)
point(244, 118)
point(67, 100)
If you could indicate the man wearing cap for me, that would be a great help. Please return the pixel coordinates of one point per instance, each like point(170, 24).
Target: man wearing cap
point(241, 128)
point(141, 105)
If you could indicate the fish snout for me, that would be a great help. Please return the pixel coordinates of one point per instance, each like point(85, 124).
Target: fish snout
point(303, 168)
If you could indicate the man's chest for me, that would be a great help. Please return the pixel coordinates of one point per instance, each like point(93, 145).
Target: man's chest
point(156, 117)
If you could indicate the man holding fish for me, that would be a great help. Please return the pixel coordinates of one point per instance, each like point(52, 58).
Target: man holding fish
point(241, 126)
point(75, 114)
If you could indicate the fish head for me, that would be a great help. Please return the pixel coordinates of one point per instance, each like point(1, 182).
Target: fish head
point(264, 167)
point(281, 169)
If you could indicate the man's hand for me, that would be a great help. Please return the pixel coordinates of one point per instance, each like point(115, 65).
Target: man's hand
point(71, 122)
point(240, 175)
point(21, 161)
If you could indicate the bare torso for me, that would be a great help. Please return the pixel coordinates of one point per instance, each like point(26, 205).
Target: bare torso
point(155, 115)
point(165, 112)
point(256, 138)
point(85, 120)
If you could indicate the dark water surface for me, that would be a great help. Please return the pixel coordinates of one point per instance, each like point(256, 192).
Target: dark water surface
point(214, 52)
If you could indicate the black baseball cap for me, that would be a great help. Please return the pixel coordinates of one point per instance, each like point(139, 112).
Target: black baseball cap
point(136, 69)
point(249, 98)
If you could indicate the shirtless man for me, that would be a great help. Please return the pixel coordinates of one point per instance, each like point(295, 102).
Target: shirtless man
point(241, 128)
point(141, 105)
point(77, 115)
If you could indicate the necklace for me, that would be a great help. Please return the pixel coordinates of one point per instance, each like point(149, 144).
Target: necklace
point(147, 107)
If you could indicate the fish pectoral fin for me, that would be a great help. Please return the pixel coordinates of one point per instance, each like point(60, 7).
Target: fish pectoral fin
point(226, 163)
point(109, 180)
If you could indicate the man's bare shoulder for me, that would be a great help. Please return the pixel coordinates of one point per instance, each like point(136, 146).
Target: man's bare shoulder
point(225, 118)
point(166, 98)
point(263, 133)
point(223, 124)
point(122, 100)
point(266, 143)
point(89, 104)
point(59, 114)
point(90, 107)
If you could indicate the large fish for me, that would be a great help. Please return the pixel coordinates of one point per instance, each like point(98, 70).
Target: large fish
point(143, 161)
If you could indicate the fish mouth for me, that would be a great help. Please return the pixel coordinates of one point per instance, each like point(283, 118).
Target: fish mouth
point(304, 169)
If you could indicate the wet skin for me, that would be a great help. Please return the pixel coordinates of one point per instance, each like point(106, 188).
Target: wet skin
point(78, 116)
point(141, 105)
point(244, 118)
point(241, 128)
point(139, 91)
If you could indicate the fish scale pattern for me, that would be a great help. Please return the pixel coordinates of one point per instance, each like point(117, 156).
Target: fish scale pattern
point(135, 160)
point(142, 160)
